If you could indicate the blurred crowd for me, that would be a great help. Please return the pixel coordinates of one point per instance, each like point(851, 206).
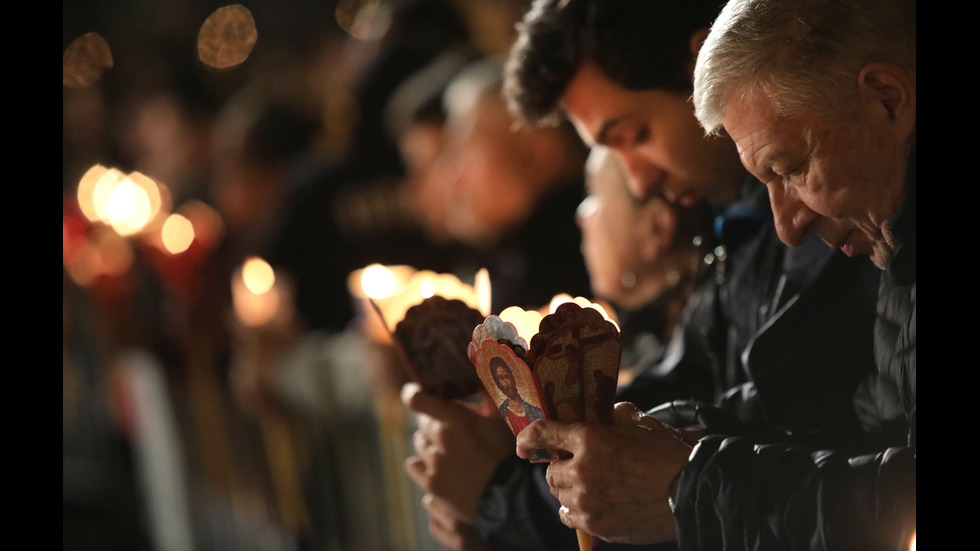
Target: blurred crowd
point(346, 134)
point(231, 173)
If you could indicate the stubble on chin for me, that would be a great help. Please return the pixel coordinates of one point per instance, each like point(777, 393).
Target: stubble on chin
point(883, 248)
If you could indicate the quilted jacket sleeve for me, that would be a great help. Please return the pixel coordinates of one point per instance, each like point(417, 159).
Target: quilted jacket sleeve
point(737, 495)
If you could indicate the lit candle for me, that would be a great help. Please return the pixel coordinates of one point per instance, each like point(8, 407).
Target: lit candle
point(562, 298)
point(254, 294)
point(482, 287)
point(375, 290)
point(525, 321)
point(383, 294)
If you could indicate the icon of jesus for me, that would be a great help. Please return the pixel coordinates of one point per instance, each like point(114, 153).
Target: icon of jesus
point(514, 408)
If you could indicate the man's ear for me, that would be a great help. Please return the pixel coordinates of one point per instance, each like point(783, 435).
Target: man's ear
point(657, 226)
point(695, 42)
point(890, 90)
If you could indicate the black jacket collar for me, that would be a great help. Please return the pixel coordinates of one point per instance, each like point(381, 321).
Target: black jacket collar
point(902, 225)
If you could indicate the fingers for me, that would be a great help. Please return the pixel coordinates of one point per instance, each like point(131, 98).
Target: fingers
point(423, 403)
point(547, 434)
point(624, 412)
point(413, 397)
point(416, 469)
point(422, 444)
point(565, 514)
point(449, 530)
point(627, 413)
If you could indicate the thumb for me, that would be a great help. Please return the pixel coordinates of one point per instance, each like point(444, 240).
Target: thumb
point(626, 412)
point(418, 400)
point(544, 434)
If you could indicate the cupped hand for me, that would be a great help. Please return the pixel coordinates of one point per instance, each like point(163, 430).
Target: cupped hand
point(614, 484)
point(457, 450)
point(449, 530)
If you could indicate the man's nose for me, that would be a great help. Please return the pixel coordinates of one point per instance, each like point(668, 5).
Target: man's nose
point(644, 179)
point(586, 209)
point(793, 219)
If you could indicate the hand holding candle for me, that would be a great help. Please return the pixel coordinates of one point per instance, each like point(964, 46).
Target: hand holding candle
point(568, 372)
point(614, 480)
point(457, 450)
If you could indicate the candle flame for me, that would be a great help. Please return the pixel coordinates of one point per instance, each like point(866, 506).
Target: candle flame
point(258, 275)
point(254, 295)
point(377, 281)
point(557, 301)
point(583, 302)
point(127, 203)
point(128, 209)
point(482, 286)
point(526, 322)
point(177, 234)
point(86, 191)
point(101, 194)
point(427, 289)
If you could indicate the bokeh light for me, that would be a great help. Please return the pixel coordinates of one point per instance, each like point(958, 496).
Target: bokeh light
point(74, 233)
point(526, 322)
point(377, 281)
point(94, 190)
point(363, 19)
point(255, 298)
point(154, 194)
point(227, 37)
point(116, 254)
point(258, 275)
point(582, 302)
point(86, 58)
point(208, 226)
point(177, 234)
point(128, 208)
point(481, 285)
point(105, 253)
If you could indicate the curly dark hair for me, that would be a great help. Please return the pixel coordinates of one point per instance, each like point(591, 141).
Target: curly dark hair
point(638, 44)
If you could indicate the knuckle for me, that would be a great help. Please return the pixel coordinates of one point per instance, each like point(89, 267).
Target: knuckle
point(574, 473)
point(588, 435)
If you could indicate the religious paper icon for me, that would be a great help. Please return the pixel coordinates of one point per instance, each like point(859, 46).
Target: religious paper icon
point(433, 336)
point(568, 373)
point(576, 362)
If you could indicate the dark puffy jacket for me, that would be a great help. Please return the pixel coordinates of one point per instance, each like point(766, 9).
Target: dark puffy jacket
point(736, 494)
point(753, 336)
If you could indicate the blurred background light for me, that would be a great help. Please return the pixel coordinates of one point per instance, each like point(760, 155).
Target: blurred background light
point(177, 234)
point(363, 19)
point(128, 209)
point(227, 37)
point(208, 227)
point(86, 58)
point(377, 281)
point(255, 297)
point(258, 275)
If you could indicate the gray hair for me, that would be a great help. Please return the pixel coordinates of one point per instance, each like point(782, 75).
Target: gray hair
point(804, 54)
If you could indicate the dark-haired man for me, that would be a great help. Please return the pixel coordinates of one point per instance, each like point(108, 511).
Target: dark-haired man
point(754, 337)
point(819, 96)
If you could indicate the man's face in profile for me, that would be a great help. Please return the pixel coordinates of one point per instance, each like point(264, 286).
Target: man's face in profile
point(663, 150)
point(823, 176)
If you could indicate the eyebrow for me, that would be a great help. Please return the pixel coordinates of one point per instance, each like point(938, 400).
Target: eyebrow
point(603, 132)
